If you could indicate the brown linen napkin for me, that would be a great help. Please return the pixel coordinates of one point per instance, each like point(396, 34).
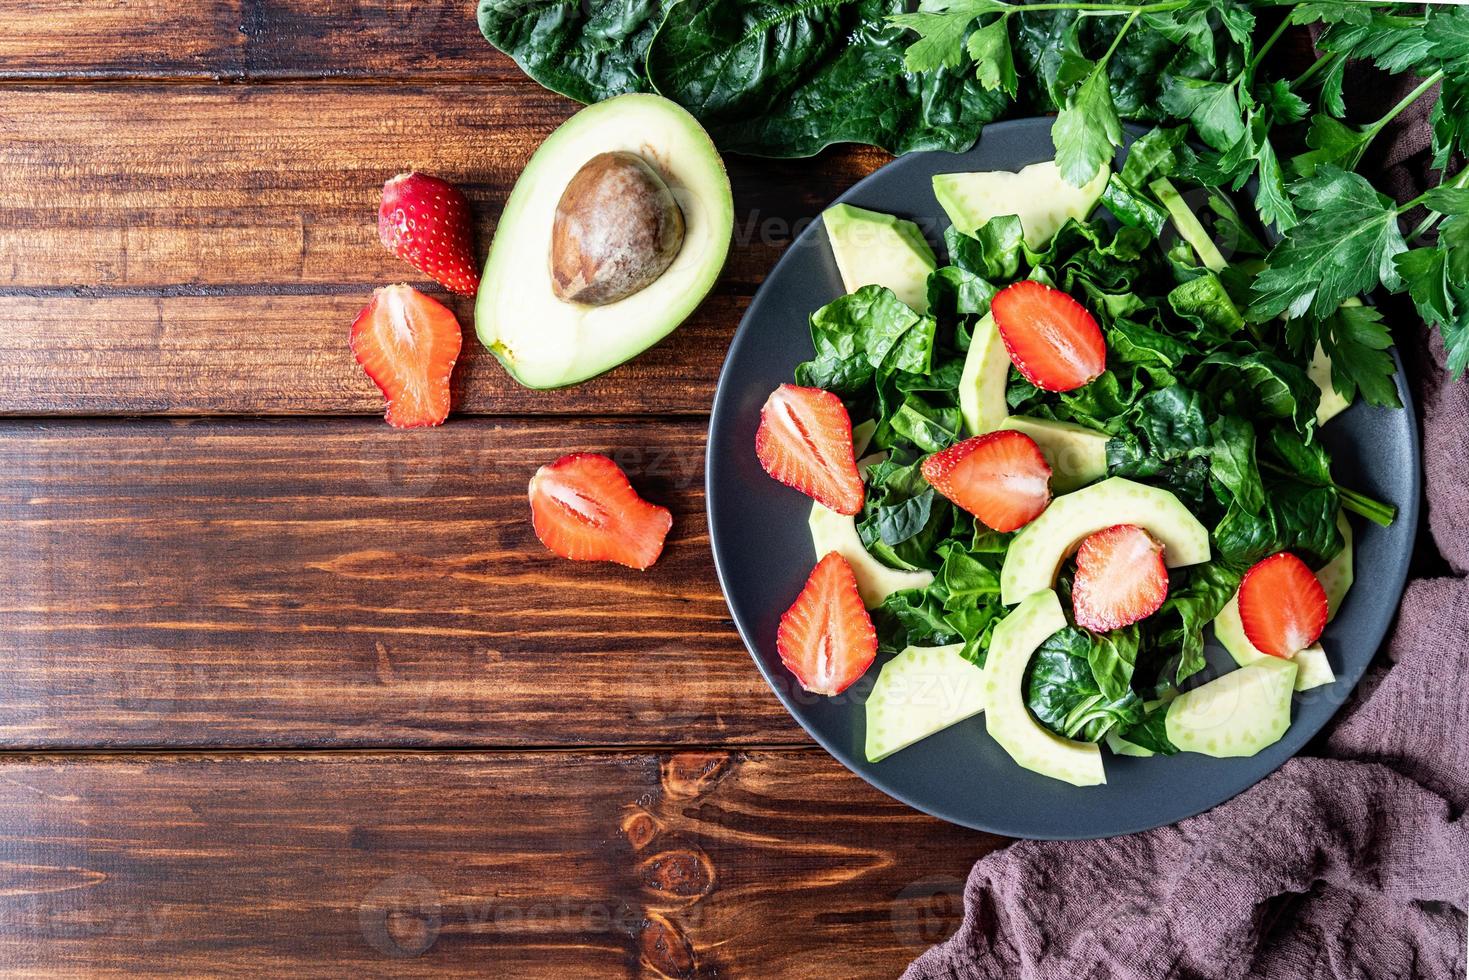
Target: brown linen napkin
point(1353, 864)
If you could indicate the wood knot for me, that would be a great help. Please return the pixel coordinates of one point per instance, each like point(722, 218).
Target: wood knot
point(665, 949)
point(639, 827)
point(685, 874)
point(690, 774)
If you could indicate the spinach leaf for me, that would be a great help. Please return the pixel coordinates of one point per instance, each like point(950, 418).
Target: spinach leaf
point(789, 78)
point(1232, 461)
point(1063, 694)
point(587, 51)
point(1152, 732)
point(1195, 597)
point(857, 334)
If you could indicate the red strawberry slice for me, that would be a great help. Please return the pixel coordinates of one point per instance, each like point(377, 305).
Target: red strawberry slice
point(408, 343)
point(1120, 578)
point(1001, 478)
point(805, 442)
point(426, 222)
point(826, 638)
point(584, 508)
point(1282, 605)
point(1053, 340)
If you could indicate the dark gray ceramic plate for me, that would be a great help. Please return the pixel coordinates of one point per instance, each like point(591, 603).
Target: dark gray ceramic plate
point(763, 553)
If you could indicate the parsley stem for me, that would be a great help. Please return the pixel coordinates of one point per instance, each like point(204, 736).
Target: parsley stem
point(1432, 217)
point(1101, 65)
point(1374, 510)
point(1406, 101)
point(1459, 180)
point(1162, 6)
point(1265, 48)
point(1316, 66)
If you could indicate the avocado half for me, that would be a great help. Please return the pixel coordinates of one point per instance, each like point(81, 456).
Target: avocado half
point(547, 342)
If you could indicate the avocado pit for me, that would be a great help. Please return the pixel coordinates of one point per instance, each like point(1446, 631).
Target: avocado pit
point(617, 228)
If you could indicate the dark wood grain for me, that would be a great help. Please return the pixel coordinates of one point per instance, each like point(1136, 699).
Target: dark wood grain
point(213, 261)
point(518, 865)
point(247, 40)
point(339, 583)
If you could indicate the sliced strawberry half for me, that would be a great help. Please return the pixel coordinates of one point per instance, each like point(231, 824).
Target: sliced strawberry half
point(1282, 605)
point(1053, 341)
point(805, 442)
point(408, 343)
point(1120, 578)
point(584, 508)
point(426, 222)
point(826, 638)
point(1001, 478)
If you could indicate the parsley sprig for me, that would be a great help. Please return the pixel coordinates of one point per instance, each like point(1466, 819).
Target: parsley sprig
point(1337, 236)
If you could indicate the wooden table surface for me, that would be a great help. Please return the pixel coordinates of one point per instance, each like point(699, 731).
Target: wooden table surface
point(285, 692)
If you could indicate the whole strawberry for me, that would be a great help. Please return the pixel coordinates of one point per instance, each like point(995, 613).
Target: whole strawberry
point(426, 222)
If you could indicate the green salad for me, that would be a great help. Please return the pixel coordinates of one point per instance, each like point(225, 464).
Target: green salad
point(1203, 429)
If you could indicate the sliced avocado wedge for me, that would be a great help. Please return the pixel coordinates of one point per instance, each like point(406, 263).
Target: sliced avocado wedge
point(1337, 575)
point(872, 248)
point(1313, 668)
point(547, 342)
point(831, 531)
point(921, 691)
point(1037, 551)
point(1038, 195)
point(1235, 715)
point(1008, 720)
point(1190, 229)
point(983, 381)
point(1077, 455)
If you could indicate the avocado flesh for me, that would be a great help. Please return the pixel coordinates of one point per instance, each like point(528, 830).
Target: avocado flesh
point(921, 691)
point(547, 343)
point(1038, 195)
point(1337, 575)
point(872, 248)
point(1008, 720)
point(1312, 667)
point(1037, 551)
point(1236, 715)
point(1076, 454)
point(982, 383)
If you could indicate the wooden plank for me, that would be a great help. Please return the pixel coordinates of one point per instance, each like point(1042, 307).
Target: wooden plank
point(338, 583)
point(151, 38)
point(229, 239)
point(247, 40)
point(287, 354)
point(525, 865)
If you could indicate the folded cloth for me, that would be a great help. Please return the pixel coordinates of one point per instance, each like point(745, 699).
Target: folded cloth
point(1351, 864)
